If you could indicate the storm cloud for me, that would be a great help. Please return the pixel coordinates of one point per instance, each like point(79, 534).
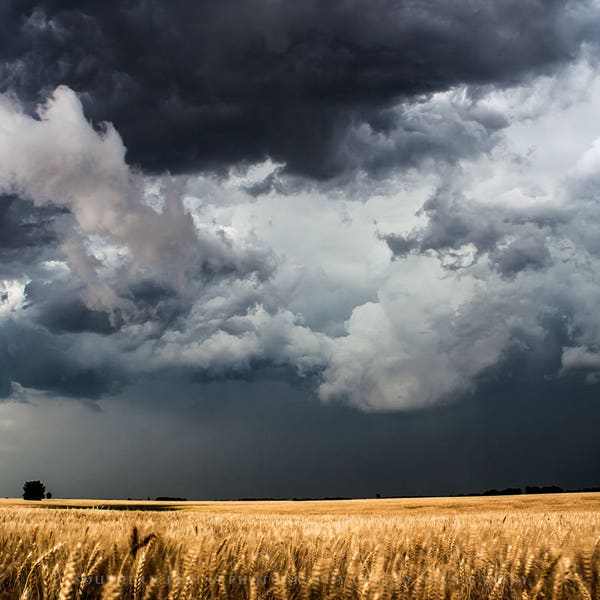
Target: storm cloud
point(313, 85)
point(363, 235)
point(367, 199)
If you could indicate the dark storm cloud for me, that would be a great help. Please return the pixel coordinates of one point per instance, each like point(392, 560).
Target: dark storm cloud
point(249, 312)
point(34, 358)
point(204, 84)
point(60, 309)
point(25, 230)
point(145, 270)
point(523, 253)
point(513, 240)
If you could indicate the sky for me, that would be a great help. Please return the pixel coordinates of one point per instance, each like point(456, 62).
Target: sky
point(266, 248)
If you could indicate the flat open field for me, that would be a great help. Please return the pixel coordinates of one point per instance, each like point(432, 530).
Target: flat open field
point(538, 546)
point(388, 506)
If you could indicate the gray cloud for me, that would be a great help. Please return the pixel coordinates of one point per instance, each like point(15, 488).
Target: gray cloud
point(527, 252)
point(479, 276)
point(67, 365)
point(58, 160)
point(26, 232)
point(60, 309)
point(460, 231)
point(190, 85)
point(257, 270)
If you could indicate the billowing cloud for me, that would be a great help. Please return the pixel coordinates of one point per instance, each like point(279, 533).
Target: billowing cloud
point(192, 85)
point(139, 275)
point(363, 207)
point(58, 159)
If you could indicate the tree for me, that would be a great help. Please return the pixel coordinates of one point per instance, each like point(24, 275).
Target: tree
point(33, 490)
point(48, 495)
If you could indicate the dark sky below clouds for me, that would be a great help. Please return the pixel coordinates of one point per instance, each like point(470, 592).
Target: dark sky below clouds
point(267, 439)
point(275, 248)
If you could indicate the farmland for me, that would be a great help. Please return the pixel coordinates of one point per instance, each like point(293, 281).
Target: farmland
point(542, 546)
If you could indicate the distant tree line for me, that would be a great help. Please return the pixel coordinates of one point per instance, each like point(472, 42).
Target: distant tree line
point(36, 490)
point(532, 489)
point(169, 499)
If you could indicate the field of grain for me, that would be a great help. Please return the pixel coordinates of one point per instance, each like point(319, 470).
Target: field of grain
point(529, 547)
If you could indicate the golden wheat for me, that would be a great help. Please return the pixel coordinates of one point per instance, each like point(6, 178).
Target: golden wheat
point(87, 554)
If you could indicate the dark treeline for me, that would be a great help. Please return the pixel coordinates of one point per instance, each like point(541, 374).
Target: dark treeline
point(531, 489)
point(170, 499)
point(510, 491)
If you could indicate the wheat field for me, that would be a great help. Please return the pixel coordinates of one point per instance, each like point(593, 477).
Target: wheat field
point(459, 548)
